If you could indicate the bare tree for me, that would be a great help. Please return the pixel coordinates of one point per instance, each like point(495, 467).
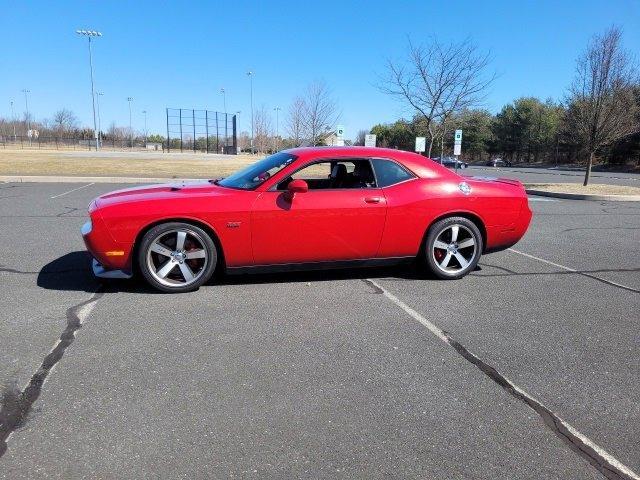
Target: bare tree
point(602, 106)
point(263, 129)
point(437, 80)
point(360, 137)
point(295, 121)
point(64, 120)
point(320, 112)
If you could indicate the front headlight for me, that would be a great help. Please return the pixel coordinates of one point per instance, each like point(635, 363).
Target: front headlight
point(86, 228)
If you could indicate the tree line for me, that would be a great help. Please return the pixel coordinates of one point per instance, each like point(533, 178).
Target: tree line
point(445, 84)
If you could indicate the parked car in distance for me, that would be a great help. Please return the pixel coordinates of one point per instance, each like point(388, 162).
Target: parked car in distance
point(306, 208)
point(498, 162)
point(450, 162)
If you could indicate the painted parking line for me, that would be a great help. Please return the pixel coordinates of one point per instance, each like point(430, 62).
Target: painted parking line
point(75, 189)
point(569, 269)
point(602, 460)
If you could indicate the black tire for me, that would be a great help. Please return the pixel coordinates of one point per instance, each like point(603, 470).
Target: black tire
point(455, 254)
point(195, 242)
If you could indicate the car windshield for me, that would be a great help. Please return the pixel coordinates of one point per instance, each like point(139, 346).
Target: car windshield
point(250, 177)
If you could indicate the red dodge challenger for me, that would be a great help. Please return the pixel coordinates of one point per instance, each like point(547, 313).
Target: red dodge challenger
point(306, 208)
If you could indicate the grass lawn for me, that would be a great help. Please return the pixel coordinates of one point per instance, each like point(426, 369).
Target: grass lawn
point(124, 164)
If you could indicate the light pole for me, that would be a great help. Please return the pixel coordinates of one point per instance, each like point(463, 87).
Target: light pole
point(89, 34)
point(226, 123)
point(224, 98)
point(26, 106)
point(144, 112)
point(130, 99)
point(238, 132)
point(277, 110)
point(98, 95)
point(250, 74)
point(13, 120)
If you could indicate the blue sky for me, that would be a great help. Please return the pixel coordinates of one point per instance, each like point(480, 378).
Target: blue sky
point(179, 54)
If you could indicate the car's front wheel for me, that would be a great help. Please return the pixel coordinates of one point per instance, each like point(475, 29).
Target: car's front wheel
point(177, 257)
point(453, 247)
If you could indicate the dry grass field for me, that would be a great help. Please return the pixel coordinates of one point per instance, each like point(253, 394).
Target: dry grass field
point(125, 164)
point(592, 189)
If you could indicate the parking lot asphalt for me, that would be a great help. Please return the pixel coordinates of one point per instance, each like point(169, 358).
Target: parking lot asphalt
point(553, 175)
point(322, 375)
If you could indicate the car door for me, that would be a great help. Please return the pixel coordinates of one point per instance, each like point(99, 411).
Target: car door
point(336, 219)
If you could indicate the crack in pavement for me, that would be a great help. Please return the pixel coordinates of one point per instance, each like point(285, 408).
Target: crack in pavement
point(15, 405)
point(69, 210)
point(605, 463)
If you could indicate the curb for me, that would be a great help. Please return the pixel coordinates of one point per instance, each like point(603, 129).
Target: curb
point(56, 179)
point(584, 196)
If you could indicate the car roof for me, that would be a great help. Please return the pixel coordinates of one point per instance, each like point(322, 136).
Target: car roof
point(422, 166)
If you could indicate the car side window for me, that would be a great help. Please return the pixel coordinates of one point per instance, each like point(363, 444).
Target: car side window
point(334, 174)
point(389, 173)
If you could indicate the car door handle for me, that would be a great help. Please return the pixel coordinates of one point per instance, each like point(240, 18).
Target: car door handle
point(372, 199)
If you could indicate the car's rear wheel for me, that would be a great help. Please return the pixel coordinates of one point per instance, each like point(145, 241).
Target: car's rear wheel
point(177, 257)
point(453, 247)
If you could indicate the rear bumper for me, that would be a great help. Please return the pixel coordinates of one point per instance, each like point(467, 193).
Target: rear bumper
point(503, 237)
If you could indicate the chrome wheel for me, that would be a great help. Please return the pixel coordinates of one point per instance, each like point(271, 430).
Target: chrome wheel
point(177, 258)
point(454, 249)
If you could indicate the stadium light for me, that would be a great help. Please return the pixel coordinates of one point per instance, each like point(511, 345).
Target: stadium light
point(98, 95)
point(90, 34)
point(26, 92)
point(250, 75)
point(224, 98)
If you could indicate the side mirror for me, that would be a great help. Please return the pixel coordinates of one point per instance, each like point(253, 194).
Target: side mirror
point(296, 186)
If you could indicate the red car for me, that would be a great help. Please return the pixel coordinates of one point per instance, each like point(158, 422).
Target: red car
point(306, 208)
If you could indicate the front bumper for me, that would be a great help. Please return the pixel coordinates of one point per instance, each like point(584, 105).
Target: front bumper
point(109, 258)
point(101, 272)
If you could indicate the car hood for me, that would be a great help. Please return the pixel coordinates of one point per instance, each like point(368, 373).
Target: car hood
point(165, 191)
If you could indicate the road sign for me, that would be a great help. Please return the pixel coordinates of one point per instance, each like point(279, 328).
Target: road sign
point(421, 144)
point(457, 143)
point(369, 140)
point(340, 136)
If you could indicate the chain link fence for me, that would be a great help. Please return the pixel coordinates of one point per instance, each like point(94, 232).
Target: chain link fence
point(201, 131)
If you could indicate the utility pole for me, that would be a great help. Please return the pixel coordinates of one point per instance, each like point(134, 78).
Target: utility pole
point(89, 34)
point(277, 110)
point(250, 74)
point(98, 95)
point(130, 99)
